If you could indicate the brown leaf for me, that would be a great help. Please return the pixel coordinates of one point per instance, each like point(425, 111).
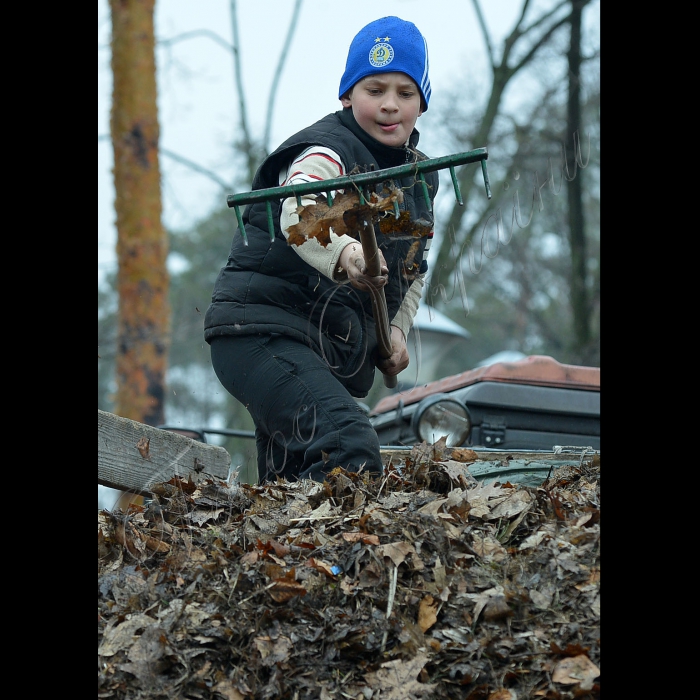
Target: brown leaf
point(410, 267)
point(317, 220)
point(143, 446)
point(427, 612)
point(439, 574)
point(250, 558)
point(284, 589)
point(273, 570)
point(201, 515)
point(273, 651)
point(321, 566)
point(130, 539)
point(121, 636)
point(576, 669)
point(568, 650)
point(396, 551)
point(437, 452)
point(403, 226)
point(156, 545)
point(397, 679)
point(281, 550)
point(515, 504)
point(224, 687)
point(497, 608)
point(440, 449)
point(369, 211)
point(348, 586)
point(462, 454)
point(360, 537)
point(370, 576)
point(488, 547)
point(481, 599)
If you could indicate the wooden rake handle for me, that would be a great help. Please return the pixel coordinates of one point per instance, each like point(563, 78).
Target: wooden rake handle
point(379, 308)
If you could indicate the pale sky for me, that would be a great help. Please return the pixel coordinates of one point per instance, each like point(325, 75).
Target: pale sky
point(198, 104)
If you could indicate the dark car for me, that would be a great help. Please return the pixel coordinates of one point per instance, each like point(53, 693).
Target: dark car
point(534, 403)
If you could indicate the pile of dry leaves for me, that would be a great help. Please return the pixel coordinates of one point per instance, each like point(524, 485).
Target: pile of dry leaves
point(422, 583)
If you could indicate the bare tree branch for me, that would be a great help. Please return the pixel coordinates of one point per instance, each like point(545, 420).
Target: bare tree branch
point(544, 38)
point(502, 75)
point(247, 142)
point(197, 168)
point(484, 31)
point(195, 33)
point(278, 74)
point(184, 161)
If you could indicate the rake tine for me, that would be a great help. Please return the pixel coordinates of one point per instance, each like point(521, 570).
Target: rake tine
point(426, 196)
point(486, 179)
point(270, 224)
point(241, 227)
point(455, 184)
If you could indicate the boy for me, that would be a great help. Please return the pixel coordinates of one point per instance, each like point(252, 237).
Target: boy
point(290, 326)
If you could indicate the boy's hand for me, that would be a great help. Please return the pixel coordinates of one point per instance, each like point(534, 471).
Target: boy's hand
point(399, 357)
point(352, 263)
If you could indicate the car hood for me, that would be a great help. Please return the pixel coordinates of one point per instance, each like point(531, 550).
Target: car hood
point(536, 370)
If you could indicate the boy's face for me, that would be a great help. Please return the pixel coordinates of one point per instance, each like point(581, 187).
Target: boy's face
point(386, 106)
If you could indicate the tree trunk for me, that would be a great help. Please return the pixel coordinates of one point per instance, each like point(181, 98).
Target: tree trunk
point(142, 246)
point(579, 300)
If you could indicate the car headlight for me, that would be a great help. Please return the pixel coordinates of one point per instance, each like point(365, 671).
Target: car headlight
point(439, 416)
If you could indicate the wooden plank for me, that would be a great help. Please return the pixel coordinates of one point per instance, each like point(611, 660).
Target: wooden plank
point(131, 456)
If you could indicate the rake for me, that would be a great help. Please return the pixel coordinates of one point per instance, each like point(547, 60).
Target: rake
point(365, 229)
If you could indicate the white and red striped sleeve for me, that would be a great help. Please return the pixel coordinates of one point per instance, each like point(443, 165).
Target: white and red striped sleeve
point(314, 164)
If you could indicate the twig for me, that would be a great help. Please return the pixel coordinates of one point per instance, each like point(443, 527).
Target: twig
point(392, 591)
point(245, 600)
point(390, 602)
point(318, 517)
point(386, 478)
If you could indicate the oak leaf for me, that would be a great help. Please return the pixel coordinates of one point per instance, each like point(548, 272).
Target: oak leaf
point(317, 220)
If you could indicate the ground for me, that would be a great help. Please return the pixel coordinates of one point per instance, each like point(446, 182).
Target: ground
point(420, 583)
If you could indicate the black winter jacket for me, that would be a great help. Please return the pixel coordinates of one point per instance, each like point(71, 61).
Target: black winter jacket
point(266, 288)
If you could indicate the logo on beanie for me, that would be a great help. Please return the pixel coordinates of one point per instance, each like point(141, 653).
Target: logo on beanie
point(381, 54)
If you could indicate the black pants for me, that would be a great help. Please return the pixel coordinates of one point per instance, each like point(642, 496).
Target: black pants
point(306, 422)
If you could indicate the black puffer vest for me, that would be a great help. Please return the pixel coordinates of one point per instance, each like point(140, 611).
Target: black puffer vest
point(265, 287)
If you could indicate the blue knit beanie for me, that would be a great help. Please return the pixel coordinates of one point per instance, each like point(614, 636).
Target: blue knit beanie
point(384, 46)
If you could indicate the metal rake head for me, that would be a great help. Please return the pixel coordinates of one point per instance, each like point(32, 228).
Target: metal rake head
point(359, 181)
